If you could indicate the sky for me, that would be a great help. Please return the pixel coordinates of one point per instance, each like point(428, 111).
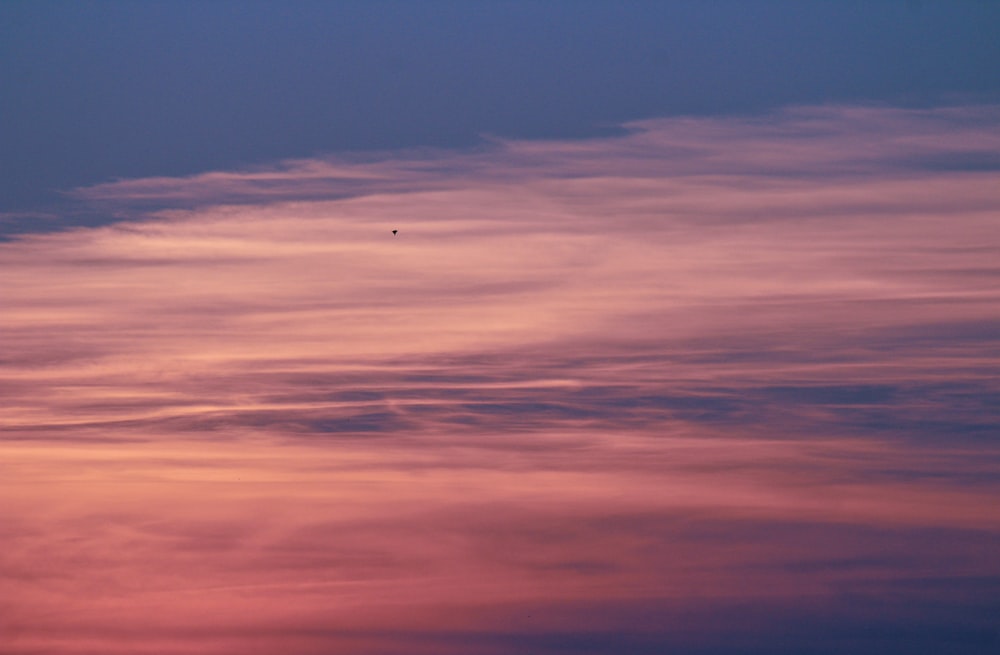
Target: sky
point(95, 91)
point(688, 340)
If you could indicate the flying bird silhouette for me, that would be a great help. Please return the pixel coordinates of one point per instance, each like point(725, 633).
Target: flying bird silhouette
point(394, 232)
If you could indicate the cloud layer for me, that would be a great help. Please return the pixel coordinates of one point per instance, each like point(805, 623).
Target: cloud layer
point(595, 396)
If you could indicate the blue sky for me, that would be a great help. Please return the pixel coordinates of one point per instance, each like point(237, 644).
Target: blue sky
point(94, 91)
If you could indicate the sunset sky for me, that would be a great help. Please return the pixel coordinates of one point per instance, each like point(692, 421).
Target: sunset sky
point(688, 341)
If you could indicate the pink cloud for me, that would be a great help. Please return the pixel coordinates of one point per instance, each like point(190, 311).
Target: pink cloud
point(607, 389)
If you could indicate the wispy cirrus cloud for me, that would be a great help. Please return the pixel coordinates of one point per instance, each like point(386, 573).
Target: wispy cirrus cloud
point(704, 364)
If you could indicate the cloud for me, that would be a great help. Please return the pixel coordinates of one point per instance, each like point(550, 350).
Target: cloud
point(622, 386)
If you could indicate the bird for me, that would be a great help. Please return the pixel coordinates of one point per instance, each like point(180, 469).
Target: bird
point(394, 232)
